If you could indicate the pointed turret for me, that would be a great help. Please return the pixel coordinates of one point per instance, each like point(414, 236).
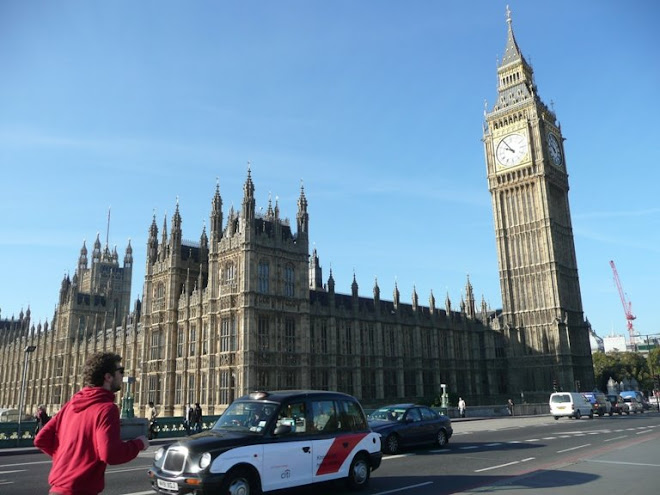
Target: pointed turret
point(216, 215)
point(331, 283)
point(248, 197)
point(302, 216)
point(82, 260)
point(354, 287)
point(128, 257)
point(96, 254)
point(415, 299)
point(432, 303)
point(395, 296)
point(315, 272)
point(152, 242)
point(448, 305)
point(470, 307)
point(175, 240)
point(515, 75)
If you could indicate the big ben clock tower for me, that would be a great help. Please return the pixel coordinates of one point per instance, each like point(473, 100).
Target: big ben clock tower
point(542, 319)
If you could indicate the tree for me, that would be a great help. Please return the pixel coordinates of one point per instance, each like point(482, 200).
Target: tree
point(621, 365)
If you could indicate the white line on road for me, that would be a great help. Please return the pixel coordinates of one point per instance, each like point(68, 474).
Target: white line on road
point(126, 470)
point(533, 440)
point(496, 467)
point(150, 492)
point(573, 448)
point(397, 489)
point(14, 471)
point(493, 444)
point(469, 447)
point(24, 464)
point(528, 459)
point(549, 438)
point(6, 482)
point(397, 456)
point(615, 438)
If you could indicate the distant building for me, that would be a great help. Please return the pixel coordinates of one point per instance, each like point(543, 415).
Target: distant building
point(615, 343)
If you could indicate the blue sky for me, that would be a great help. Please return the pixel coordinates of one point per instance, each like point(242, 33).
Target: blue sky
point(376, 105)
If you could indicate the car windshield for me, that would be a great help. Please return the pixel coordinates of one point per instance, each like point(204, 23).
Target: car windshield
point(387, 414)
point(246, 416)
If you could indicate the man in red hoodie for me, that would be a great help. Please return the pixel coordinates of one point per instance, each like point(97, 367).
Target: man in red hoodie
point(83, 438)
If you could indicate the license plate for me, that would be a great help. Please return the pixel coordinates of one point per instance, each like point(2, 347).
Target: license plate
point(561, 407)
point(167, 485)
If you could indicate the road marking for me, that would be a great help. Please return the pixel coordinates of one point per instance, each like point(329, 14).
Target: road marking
point(573, 448)
point(126, 470)
point(515, 441)
point(493, 444)
point(150, 492)
point(528, 459)
point(439, 451)
point(24, 464)
point(14, 471)
point(642, 432)
point(496, 467)
point(469, 447)
point(615, 438)
point(549, 438)
point(533, 440)
point(396, 456)
point(388, 491)
point(6, 482)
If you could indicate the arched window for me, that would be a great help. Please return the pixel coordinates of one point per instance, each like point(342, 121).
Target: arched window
point(289, 281)
point(230, 273)
point(263, 272)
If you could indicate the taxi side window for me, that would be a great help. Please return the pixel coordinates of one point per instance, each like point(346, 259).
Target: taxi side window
point(352, 417)
point(324, 416)
point(294, 415)
point(427, 414)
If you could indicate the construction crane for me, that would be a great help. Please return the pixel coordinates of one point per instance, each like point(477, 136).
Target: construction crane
point(627, 306)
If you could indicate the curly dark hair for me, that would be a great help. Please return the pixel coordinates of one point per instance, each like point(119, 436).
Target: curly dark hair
point(97, 365)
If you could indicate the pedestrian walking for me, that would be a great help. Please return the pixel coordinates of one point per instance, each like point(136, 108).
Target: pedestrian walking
point(187, 419)
point(42, 418)
point(509, 406)
point(83, 437)
point(152, 414)
point(198, 417)
point(461, 407)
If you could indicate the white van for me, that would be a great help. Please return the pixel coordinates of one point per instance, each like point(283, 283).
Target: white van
point(571, 404)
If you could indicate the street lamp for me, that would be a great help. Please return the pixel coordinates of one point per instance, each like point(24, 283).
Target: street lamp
point(21, 399)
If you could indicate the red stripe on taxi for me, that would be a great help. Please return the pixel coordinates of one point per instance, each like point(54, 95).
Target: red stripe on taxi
point(338, 452)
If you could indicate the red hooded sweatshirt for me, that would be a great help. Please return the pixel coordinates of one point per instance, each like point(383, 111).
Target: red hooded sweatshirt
point(82, 439)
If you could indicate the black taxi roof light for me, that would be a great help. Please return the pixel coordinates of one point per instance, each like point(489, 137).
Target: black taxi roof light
point(258, 395)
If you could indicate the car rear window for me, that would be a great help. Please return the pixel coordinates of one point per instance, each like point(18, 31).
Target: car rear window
point(560, 399)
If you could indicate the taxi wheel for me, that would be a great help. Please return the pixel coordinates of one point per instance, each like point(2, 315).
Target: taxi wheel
point(239, 482)
point(578, 414)
point(358, 475)
point(391, 444)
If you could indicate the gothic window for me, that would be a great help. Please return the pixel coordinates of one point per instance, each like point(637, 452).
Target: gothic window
point(348, 340)
point(180, 339)
point(409, 383)
point(192, 393)
point(262, 333)
point(225, 387)
point(369, 384)
point(205, 338)
point(263, 273)
point(156, 345)
point(59, 365)
point(192, 340)
point(289, 281)
point(154, 389)
point(324, 338)
point(228, 335)
point(289, 335)
point(57, 394)
point(262, 380)
point(159, 296)
point(390, 381)
point(178, 390)
point(202, 387)
point(230, 273)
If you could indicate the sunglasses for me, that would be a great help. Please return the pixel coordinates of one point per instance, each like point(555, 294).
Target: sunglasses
point(120, 369)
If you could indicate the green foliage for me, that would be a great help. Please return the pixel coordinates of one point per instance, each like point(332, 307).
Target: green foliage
point(620, 365)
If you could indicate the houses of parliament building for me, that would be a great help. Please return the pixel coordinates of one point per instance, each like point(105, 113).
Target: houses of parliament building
point(247, 306)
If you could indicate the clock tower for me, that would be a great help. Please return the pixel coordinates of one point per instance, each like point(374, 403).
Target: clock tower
point(542, 318)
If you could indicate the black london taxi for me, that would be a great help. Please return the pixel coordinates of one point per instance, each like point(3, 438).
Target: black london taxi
point(267, 441)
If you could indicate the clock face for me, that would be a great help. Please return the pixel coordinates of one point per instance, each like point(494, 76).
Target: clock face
point(511, 150)
point(554, 149)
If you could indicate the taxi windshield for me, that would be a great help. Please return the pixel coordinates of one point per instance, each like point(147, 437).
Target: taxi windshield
point(246, 416)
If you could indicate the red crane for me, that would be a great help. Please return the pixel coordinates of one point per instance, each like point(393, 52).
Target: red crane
point(627, 305)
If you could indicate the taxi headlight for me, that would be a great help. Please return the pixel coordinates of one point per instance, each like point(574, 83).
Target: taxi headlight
point(205, 460)
point(159, 454)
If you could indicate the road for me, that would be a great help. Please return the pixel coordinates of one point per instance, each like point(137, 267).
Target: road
point(529, 455)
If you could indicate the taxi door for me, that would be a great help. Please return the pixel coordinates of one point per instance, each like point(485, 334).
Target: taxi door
point(288, 459)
